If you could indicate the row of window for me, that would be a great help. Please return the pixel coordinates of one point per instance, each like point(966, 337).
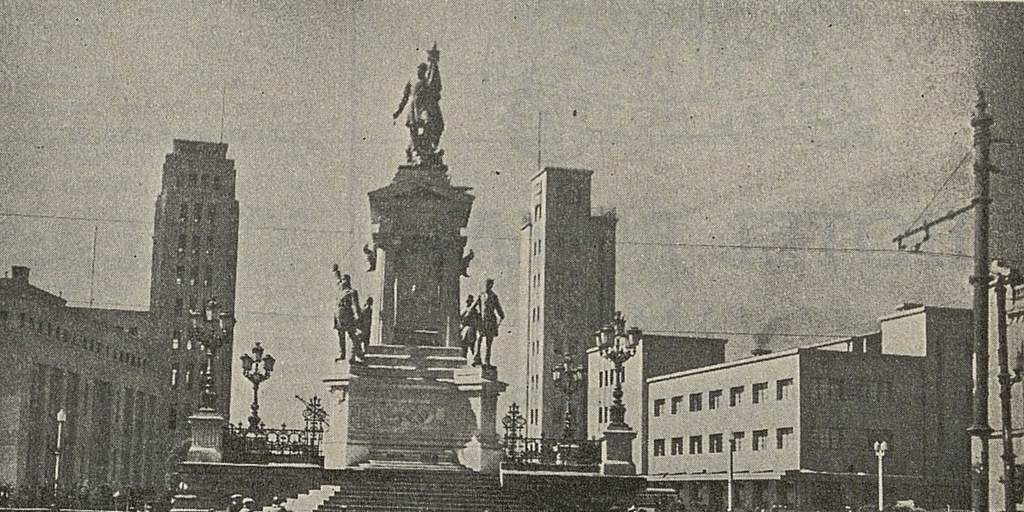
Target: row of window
point(784, 439)
point(845, 390)
point(845, 438)
point(607, 377)
point(196, 246)
point(759, 394)
point(193, 276)
point(181, 376)
point(98, 347)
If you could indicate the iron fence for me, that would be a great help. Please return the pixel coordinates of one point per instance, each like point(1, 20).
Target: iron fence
point(245, 445)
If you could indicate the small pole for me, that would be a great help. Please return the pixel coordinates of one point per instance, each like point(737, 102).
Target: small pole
point(61, 418)
point(732, 449)
point(880, 448)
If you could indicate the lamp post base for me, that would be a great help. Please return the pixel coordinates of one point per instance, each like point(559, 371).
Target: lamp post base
point(617, 451)
point(207, 436)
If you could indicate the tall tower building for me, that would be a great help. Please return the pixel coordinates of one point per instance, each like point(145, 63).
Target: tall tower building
point(567, 289)
point(195, 256)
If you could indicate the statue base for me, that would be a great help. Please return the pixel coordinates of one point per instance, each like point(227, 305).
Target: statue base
point(617, 450)
point(412, 405)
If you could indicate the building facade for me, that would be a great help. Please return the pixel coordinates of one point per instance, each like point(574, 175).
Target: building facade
point(656, 355)
point(100, 373)
point(567, 289)
point(195, 256)
point(803, 422)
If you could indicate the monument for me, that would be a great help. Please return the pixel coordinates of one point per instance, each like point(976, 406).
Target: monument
point(412, 399)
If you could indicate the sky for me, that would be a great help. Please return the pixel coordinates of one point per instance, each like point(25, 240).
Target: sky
point(760, 155)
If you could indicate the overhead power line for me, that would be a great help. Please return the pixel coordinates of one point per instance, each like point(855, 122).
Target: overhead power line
point(754, 247)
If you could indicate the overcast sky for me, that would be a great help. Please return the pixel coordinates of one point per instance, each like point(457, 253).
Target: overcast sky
point(714, 128)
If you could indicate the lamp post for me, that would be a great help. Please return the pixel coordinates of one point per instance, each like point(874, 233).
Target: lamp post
point(617, 345)
point(212, 328)
point(567, 376)
point(61, 418)
point(880, 448)
point(732, 450)
point(257, 369)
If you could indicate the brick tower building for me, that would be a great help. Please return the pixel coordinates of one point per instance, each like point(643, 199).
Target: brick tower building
point(195, 256)
point(567, 289)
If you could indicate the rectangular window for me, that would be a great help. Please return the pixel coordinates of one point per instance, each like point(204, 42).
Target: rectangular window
point(735, 396)
point(181, 244)
point(760, 440)
point(209, 244)
point(659, 407)
point(696, 404)
point(784, 437)
point(677, 401)
point(211, 212)
point(696, 447)
point(783, 389)
point(737, 441)
point(195, 244)
point(759, 392)
point(184, 212)
point(677, 446)
point(659, 447)
point(715, 443)
point(199, 209)
point(715, 399)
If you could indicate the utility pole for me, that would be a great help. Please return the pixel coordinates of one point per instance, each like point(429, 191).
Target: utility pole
point(980, 430)
point(1005, 385)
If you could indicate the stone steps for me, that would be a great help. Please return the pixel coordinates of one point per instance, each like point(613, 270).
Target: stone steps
point(307, 501)
point(408, 489)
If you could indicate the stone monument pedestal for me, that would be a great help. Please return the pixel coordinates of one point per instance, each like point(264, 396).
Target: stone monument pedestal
point(617, 450)
point(412, 405)
point(207, 435)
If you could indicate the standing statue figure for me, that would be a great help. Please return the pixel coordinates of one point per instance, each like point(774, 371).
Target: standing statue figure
point(491, 316)
point(470, 321)
point(423, 117)
point(365, 323)
point(346, 318)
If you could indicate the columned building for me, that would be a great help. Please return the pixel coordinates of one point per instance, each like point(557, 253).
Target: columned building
point(195, 256)
point(567, 290)
point(97, 367)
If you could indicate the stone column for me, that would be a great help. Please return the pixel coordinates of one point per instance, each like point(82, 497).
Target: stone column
point(483, 453)
point(337, 451)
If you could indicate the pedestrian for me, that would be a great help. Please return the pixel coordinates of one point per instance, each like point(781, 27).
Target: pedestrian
point(248, 505)
point(236, 503)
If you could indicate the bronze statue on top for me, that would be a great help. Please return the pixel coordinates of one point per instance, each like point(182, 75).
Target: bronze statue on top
point(423, 117)
point(348, 313)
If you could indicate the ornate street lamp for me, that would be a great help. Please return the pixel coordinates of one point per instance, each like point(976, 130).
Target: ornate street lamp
point(257, 369)
point(567, 376)
point(212, 328)
point(880, 448)
point(61, 418)
point(617, 345)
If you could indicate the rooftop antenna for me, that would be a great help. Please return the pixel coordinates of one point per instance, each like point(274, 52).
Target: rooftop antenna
point(92, 276)
point(540, 119)
point(223, 92)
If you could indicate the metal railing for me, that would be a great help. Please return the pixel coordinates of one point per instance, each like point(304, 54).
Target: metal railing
point(574, 455)
point(244, 445)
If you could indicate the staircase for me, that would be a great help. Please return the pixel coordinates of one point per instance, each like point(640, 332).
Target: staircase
point(307, 501)
point(415, 490)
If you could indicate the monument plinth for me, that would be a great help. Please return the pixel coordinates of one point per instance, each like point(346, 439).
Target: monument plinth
point(420, 217)
point(412, 399)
